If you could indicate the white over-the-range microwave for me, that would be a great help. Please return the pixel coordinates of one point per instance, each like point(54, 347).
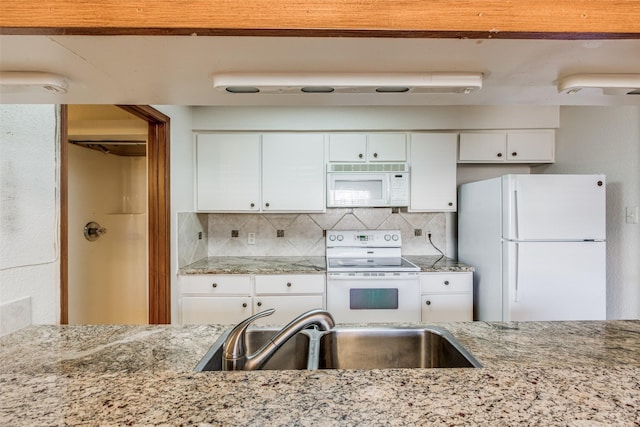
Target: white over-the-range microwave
point(367, 185)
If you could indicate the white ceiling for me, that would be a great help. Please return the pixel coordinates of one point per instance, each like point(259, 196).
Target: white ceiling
point(178, 70)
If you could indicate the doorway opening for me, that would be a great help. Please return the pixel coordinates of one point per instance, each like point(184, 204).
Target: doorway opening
point(135, 146)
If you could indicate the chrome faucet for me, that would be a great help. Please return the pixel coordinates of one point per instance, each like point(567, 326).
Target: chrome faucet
point(235, 349)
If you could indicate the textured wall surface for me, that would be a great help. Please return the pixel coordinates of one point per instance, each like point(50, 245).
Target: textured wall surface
point(29, 210)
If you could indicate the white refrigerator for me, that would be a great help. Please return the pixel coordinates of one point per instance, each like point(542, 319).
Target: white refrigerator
point(537, 243)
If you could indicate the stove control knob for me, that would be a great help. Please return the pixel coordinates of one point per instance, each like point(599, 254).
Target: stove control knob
point(340, 237)
point(332, 237)
point(395, 237)
point(387, 237)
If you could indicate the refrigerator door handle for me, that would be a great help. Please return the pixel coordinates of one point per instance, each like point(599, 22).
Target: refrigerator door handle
point(517, 273)
point(516, 224)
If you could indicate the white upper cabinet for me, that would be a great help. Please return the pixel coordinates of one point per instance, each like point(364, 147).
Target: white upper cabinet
point(387, 147)
point(228, 172)
point(348, 147)
point(275, 172)
point(517, 146)
point(293, 177)
point(372, 147)
point(433, 172)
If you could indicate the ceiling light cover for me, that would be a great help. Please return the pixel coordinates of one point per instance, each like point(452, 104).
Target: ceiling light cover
point(289, 83)
point(17, 81)
point(607, 84)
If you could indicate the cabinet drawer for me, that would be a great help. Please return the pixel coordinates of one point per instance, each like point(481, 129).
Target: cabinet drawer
point(447, 308)
point(216, 284)
point(207, 310)
point(446, 282)
point(290, 284)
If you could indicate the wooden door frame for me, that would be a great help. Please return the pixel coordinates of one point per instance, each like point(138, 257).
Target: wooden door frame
point(158, 156)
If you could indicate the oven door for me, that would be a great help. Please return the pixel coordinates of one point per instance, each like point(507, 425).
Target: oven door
point(365, 298)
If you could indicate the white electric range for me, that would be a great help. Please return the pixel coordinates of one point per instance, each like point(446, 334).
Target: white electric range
point(368, 280)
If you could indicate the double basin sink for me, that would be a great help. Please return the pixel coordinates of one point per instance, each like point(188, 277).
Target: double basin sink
point(353, 348)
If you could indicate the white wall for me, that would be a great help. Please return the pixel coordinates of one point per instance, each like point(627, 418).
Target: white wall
point(607, 140)
point(29, 216)
point(108, 281)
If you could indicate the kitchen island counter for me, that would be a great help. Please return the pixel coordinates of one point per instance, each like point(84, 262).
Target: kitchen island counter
point(535, 373)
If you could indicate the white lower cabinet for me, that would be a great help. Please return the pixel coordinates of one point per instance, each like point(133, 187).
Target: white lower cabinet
point(446, 297)
point(229, 299)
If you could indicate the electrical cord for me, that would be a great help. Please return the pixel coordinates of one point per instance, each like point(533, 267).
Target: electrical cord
point(435, 247)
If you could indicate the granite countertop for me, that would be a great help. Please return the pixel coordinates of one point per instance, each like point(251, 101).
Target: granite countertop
point(300, 265)
point(535, 373)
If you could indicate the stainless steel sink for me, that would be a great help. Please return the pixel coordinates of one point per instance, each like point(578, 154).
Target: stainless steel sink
point(354, 348)
point(383, 348)
point(294, 354)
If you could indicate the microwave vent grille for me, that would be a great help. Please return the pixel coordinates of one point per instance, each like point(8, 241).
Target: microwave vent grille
point(368, 167)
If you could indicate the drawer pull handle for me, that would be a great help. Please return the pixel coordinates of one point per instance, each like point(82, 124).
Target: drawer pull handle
point(259, 304)
point(428, 302)
point(288, 284)
point(244, 304)
point(446, 282)
point(215, 285)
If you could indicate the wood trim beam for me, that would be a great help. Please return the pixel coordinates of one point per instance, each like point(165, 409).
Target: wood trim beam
point(351, 18)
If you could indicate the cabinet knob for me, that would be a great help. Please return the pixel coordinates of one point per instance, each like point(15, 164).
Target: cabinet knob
point(428, 302)
point(360, 155)
point(514, 154)
point(259, 304)
point(253, 204)
point(244, 304)
point(446, 282)
point(266, 204)
point(288, 284)
point(375, 155)
point(214, 285)
point(499, 155)
point(450, 203)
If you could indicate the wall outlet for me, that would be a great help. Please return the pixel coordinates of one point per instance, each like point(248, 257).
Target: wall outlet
point(251, 238)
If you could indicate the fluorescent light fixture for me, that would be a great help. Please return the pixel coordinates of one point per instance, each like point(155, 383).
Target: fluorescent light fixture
point(289, 83)
point(600, 84)
point(19, 81)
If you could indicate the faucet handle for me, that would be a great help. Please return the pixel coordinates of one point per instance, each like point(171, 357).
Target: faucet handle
point(235, 347)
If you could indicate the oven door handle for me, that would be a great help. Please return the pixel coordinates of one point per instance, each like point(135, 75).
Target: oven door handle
point(343, 276)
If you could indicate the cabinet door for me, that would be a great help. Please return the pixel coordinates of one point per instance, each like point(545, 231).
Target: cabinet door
point(433, 172)
point(347, 147)
point(221, 310)
point(531, 146)
point(387, 147)
point(447, 307)
point(293, 177)
point(287, 307)
point(482, 147)
point(228, 172)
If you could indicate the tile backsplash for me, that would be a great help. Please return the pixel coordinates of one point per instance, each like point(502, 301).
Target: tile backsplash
point(303, 234)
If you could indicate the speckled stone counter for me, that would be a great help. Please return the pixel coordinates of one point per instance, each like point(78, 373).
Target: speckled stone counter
point(300, 265)
point(431, 263)
point(535, 373)
point(256, 265)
